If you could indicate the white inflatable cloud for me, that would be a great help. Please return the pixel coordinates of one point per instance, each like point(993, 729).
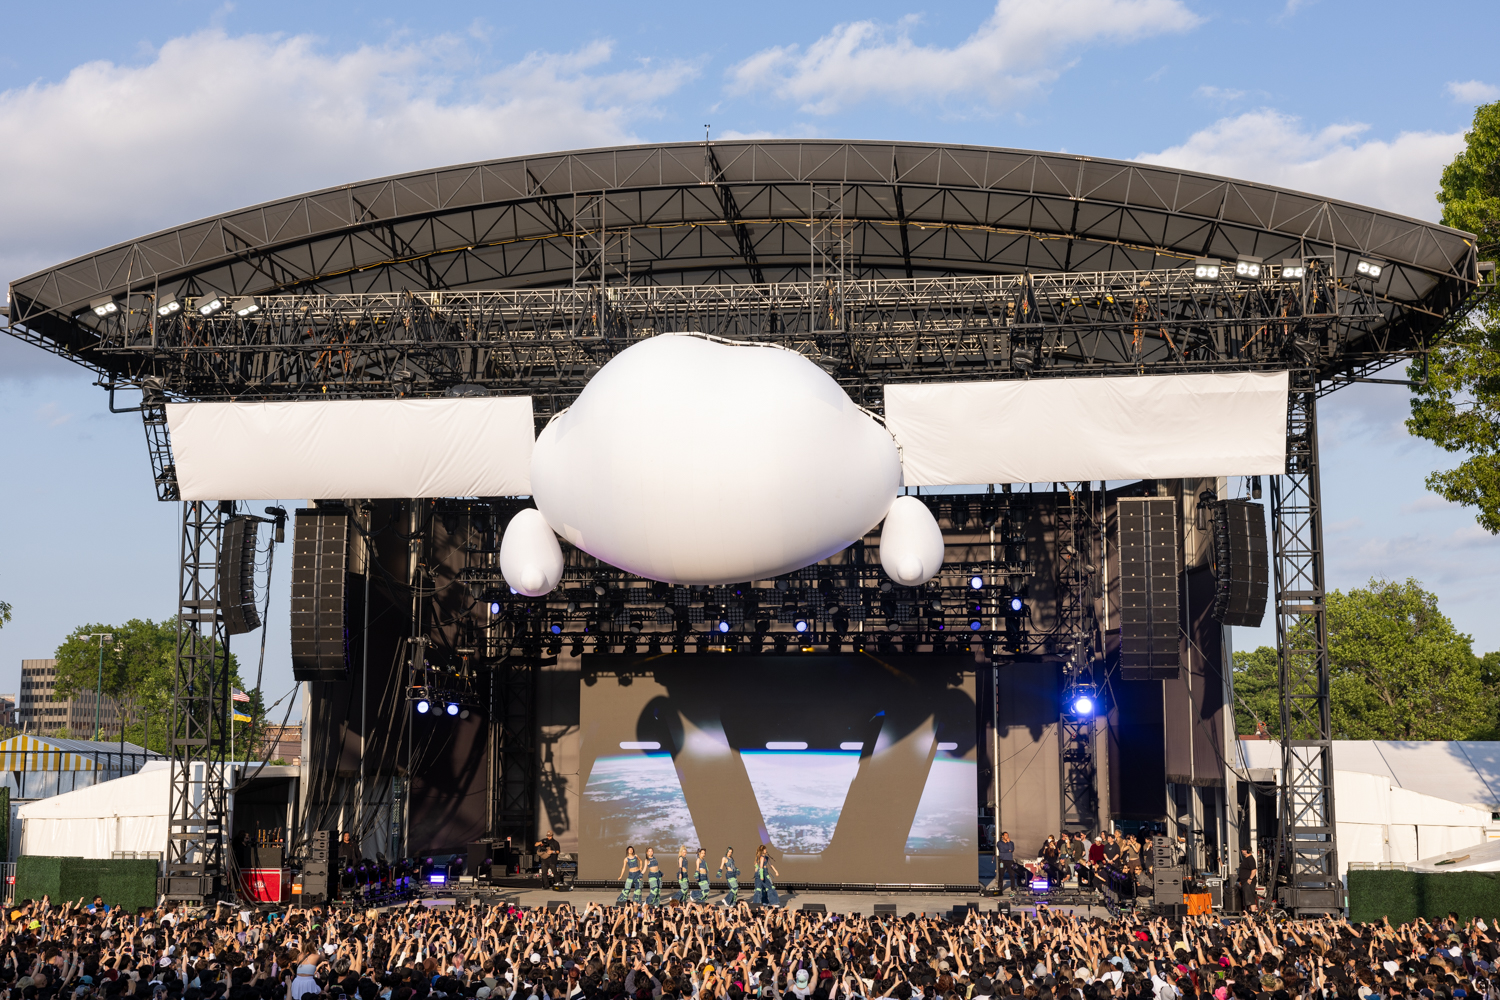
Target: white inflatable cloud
point(530, 558)
point(911, 543)
point(698, 461)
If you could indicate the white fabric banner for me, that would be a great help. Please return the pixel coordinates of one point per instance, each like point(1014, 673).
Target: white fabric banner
point(1078, 429)
point(369, 448)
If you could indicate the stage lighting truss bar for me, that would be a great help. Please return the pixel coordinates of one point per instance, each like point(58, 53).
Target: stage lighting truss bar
point(550, 341)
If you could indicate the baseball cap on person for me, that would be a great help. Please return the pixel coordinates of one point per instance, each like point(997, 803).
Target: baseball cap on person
point(801, 977)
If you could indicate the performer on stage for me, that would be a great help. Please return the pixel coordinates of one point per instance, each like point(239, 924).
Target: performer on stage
point(727, 864)
point(682, 873)
point(653, 877)
point(630, 871)
point(700, 894)
point(546, 851)
point(765, 889)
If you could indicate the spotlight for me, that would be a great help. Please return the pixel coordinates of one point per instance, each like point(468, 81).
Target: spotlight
point(464, 714)
point(841, 623)
point(723, 625)
point(246, 306)
point(1017, 605)
point(1367, 268)
point(577, 648)
point(975, 624)
point(104, 307)
point(1293, 269)
point(453, 708)
point(1206, 269)
point(210, 303)
point(800, 624)
point(1255, 488)
point(1248, 268)
point(555, 628)
point(494, 607)
point(976, 583)
point(1023, 359)
point(1083, 704)
point(424, 706)
point(168, 304)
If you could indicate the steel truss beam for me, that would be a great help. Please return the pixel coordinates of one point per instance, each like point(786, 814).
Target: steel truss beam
point(549, 342)
point(1307, 862)
point(1078, 770)
point(196, 837)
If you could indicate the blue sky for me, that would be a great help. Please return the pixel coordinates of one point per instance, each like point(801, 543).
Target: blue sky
point(157, 113)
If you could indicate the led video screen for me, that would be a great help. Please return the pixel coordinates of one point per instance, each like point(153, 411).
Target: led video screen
point(857, 768)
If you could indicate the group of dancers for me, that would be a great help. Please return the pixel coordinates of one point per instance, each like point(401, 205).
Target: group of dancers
point(692, 877)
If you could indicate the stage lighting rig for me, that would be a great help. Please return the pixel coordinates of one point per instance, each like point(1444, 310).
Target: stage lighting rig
point(1206, 269)
point(1367, 268)
point(210, 303)
point(1248, 268)
point(1082, 701)
point(167, 305)
point(246, 306)
point(1293, 269)
point(976, 582)
point(104, 307)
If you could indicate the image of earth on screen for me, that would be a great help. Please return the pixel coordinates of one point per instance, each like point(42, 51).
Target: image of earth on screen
point(857, 768)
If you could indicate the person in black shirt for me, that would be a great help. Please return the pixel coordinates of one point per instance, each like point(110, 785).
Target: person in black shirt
point(547, 850)
point(1245, 876)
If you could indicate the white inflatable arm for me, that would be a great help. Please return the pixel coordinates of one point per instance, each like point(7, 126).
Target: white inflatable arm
point(530, 558)
point(911, 543)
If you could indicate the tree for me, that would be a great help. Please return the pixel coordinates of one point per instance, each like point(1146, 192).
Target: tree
point(138, 672)
point(1458, 407)
point(1398, 670)
point(4, 613)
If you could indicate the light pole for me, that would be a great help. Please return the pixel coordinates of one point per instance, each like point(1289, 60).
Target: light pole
point(99, 692)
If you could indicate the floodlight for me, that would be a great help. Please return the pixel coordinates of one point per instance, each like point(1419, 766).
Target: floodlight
point(1083, 704)
point(1367, 268)
point(723, 625)
point(453, 708)
point(168, 304)
point(975, 624)
point(800, 624)
point(210, 303)
point(494, 607)
point(1293, 269)
point(246, 306)
point(976, 583)
point(423, 706)
point(1206, 269)
point(555, 628)
point(104, 307)
point(1017, 605)
point(1248, 268)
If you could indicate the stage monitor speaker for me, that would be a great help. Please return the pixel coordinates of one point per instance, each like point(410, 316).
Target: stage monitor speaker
point(1163, 851)
point(1150, 617)
point(237, 575)
point(320, 611)
point(321, 845)
point(1242, 565)
point(480, 857)
point(1166, 884)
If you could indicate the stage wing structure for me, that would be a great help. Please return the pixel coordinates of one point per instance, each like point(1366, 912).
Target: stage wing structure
point(376, 448)
point(1081, 429)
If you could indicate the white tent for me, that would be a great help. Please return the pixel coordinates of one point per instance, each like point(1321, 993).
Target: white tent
point(126, 814)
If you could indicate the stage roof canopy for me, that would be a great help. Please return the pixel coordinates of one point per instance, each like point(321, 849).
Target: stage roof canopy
point(741, 211)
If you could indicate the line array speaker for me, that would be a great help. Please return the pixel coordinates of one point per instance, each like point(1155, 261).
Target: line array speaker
point(320, 611)
point(1150, 618)
point(1241, 563)
point(237, 575)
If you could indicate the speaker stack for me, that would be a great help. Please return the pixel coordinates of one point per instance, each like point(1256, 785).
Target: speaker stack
point(1242, 565)
point(320, 613)
point(237, 575)
point(317, 886)
point(1150, 619)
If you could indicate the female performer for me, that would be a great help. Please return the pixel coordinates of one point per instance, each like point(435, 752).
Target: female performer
point(700, 894)
point(630, 871)
point(727, 864)
point(653, 877)
point(765, 889)
point(682, 873)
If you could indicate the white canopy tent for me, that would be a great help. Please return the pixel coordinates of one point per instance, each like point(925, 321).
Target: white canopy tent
point(126, 814)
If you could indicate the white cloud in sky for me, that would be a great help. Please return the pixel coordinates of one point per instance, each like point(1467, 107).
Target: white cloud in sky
point(1267, 146)
point(1021, 47)
point(213, 122)
point(1473, 91)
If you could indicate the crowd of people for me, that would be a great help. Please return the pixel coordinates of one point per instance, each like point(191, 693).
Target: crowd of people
point(705, 952)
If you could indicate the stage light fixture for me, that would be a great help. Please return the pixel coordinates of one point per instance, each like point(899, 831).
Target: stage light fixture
point(167, 305)
point(453, 708)
point(577, 648)
point(1083, 705)
point(424, 706)
point(246, 306)
point(494, 607)
point(800, 624)
point(1248, 268)
point(1206, 269)
point(1293, 269)
point(1023, 359)
point(1017, 605)
point(555, 628)
point(841, 623)
point(463, 713)
point(210, 303)
point(723, 625)
point(1367, 268)
point(1255, 488)
point(762, 625)
point(653, 648)
point(976, 582)
point(975, 624)
point(104, 307)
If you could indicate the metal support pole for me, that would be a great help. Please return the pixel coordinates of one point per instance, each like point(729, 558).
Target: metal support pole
point(1306, 865)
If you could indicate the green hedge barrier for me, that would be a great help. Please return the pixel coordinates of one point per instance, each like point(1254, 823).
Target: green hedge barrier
point(130, 883)
point(1405, 896)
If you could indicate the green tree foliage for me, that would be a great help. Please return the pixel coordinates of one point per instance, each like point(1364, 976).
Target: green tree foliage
point(4, 613)
point(138, 673)
point(1398, 669)
point(1459, 407)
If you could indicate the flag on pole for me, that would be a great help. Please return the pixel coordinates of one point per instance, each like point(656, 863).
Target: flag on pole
point(240, 696)
point(242, 718)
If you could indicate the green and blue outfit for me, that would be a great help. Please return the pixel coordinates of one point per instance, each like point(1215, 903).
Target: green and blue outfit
point(653, 879)
point(765, 889)
point(632, 887)
point(701, 893)
point(733, 871)
point(682, 877)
